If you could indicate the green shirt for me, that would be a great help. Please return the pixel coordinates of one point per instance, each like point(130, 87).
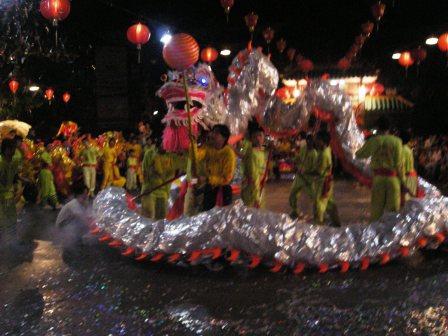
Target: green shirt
point(408, 159)
point(89, 155)
point(306, 160)
point(46, 157)
point(254, 163)
point(385, 151)
point(46, 183)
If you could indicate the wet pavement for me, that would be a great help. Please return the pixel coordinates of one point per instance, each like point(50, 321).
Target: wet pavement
point(45, 290)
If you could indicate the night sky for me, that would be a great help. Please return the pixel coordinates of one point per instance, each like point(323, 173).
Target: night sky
point(321, 30)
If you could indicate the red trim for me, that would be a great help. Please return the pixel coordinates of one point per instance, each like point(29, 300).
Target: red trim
point(412, 173)
point(385, 172)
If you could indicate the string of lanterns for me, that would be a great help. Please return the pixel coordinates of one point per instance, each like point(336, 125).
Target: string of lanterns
point(49, 93)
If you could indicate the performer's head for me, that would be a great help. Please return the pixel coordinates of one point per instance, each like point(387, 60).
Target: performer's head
point(322, 139)
point(405, 137)
point(257, 137)
point(383, 125)
point(220, 135)
point(80, 190)
point(309, 141)
point(8, 148)
point(111, 142)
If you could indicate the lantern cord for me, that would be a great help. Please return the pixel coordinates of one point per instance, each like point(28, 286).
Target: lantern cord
point(190, 132)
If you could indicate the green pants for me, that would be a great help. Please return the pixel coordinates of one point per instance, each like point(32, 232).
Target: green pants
point(51, 200)
point(155, 207)
point(411, 182)
point(89, 174)
point(8, 220)
point(324, 205)
point(252, 196)
point(300, 184)
point(385, 196)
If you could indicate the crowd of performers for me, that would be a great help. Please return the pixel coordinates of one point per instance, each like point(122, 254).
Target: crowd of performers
point(45, 174)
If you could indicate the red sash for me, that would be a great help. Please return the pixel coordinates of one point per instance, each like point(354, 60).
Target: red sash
point(412, 173)
point(385, 172)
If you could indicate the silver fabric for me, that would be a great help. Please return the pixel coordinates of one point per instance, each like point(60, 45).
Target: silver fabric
point(273, 235)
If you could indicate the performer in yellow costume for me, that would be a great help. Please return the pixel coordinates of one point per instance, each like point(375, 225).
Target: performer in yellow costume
point(386, 153)
point(255, 161)
point(304, 180)
point(409, 172)
point(323, 197)
point(111, 174)
point(218, 163)
point(8, 212)
point(158, 169)
point(89, 160)
point(131, 172)
point(47, 191)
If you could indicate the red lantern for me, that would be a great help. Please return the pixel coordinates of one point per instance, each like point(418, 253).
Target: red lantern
point(182, 52)
point(209, 55)
point(290, 53)
point(268, 34)
point(344, 64)
point(378, 10)
point(13, 86)
point(66, 97)
point(377, 89)
point(367, 28)
point(49, 94)
point(55, 10)
point(443, 42)
point(405, 59)
point(419, 55)
point(283, 93)
point(306, 65)
point(227, 5)
point(251, 20)
point(138, 34)
point(281, 45)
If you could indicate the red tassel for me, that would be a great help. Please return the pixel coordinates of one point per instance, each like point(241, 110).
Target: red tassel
point(215, 253)
point(157, 257)
point(234, 255)
point(255, 261)
point(439, 237)
point(422, 242)
point(365, 262)
point(130, 202)
point(105, 238)
point(174, 257)
point(323, 268)
point(385, 258)
point(300, 267)
point(195, 255)
point(128, 252)
point(95, 230)
point(345, 266)
point(115, 243)
point(142, 257)
point(277, 267)
point(404, 251)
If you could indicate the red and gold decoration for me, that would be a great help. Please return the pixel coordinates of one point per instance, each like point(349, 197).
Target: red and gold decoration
point(182, 52)
point(138, 34)
point(66, 97)
point(227, 5)
point(13, 86)
point(209, 55)
point(281, 45)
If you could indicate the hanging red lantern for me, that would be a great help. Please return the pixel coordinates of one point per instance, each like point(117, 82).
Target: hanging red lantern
point(49, 94)
point(13, 86)
point(405, 59)
point(138, 34)
point(419, 55)
point(306, 65)
point(55, 10)
point(377, 89)
point(182, 52)
point(443, 42)
point(359, 40)
point(227, 5)
point(367, 28)
point(344, 64)
point(281, 45)
point(268, 34)
point(66, 97)
point(251, 20)
point(209, 55)
point(378, 10)
point(290, 54)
